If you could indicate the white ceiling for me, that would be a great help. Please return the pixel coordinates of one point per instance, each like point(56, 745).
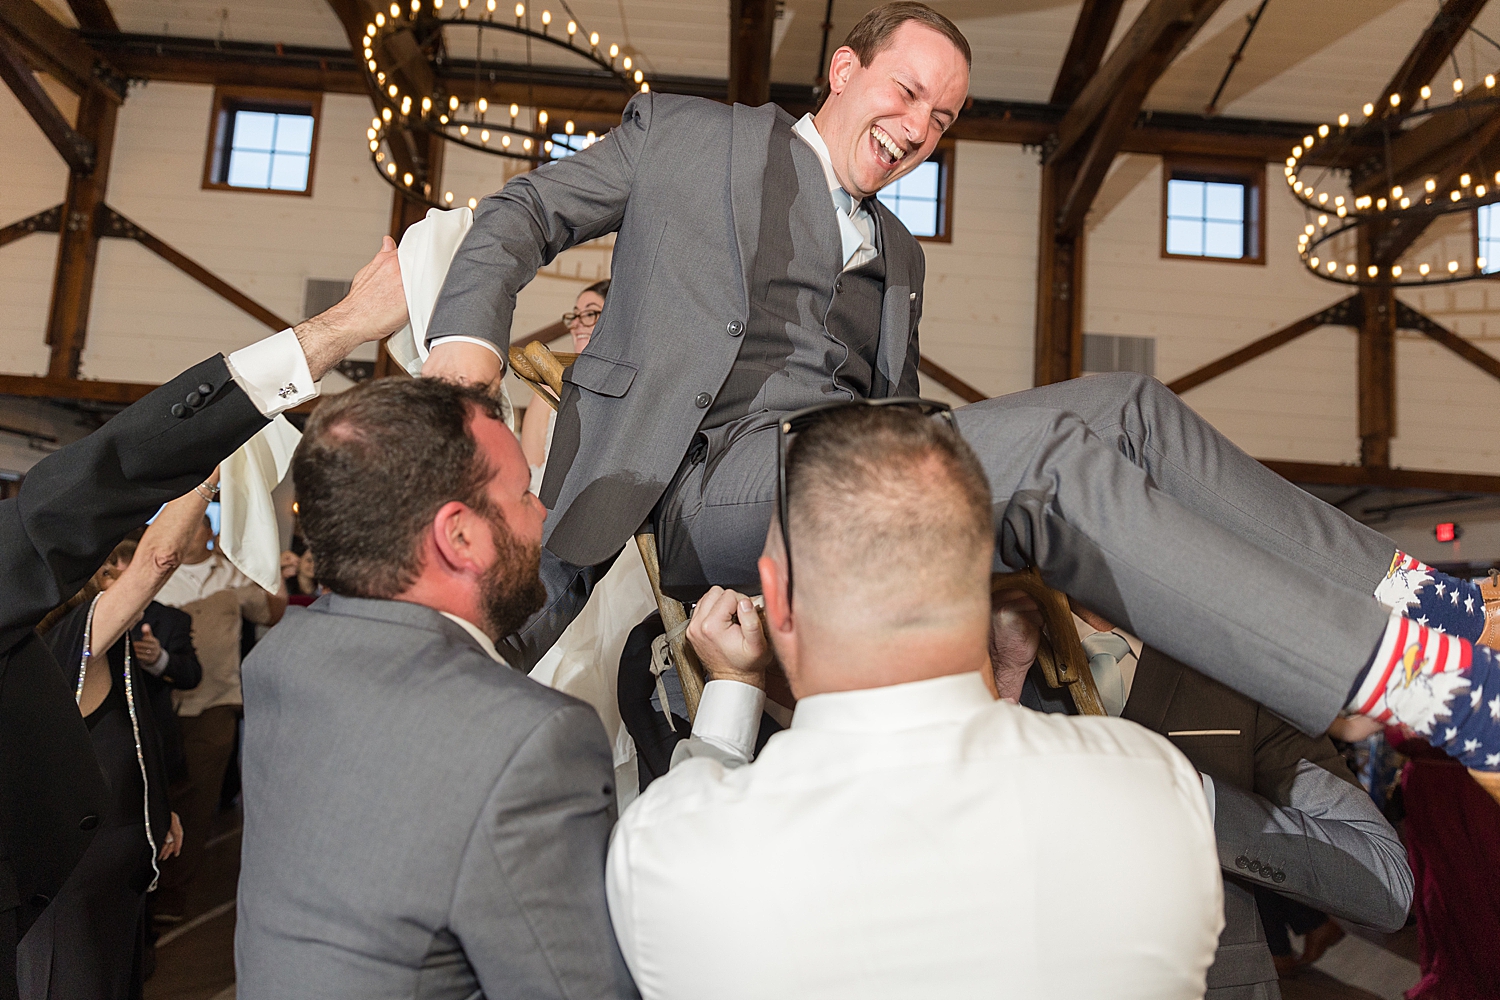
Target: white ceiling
point(1306, 61)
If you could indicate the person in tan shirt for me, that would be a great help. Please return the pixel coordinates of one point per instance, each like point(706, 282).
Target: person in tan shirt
point(218, 596)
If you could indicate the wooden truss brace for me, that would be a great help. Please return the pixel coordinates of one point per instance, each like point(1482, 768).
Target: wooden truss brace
point(78, 152)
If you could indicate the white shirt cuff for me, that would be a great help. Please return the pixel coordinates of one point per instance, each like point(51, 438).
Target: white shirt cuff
point(155, 669)
point(274, 374)
point(461, 339)
point(1210, 794)
point(729, 716)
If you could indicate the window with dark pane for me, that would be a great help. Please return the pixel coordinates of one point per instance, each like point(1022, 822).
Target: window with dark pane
point(262, 145)
point(1487, 226)
point(566, 145)
point(914, 200)
point(1207, 218)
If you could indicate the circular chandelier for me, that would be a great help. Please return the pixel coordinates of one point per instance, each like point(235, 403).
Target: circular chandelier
point(471, 123)
point(1357, 202)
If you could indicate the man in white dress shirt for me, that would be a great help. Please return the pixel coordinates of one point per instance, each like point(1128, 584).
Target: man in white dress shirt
point(908, 835)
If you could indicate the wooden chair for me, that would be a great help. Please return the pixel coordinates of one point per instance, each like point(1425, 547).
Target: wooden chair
point(1063, 661)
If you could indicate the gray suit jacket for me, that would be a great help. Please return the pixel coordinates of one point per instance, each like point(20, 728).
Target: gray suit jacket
point(420, 821)
point(680, 182)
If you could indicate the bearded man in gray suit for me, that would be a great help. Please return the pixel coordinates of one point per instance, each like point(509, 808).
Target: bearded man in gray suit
point(755, 273)
point(420, 819)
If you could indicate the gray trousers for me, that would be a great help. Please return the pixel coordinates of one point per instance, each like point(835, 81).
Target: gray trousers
point(1126, 500)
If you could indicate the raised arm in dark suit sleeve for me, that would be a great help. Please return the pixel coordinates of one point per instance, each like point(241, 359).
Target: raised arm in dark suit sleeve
point(1310, 832)
point(529, 907)
point(73, 508)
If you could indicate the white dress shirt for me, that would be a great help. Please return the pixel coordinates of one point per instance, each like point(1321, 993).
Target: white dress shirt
point(919, 840)
point(274, 373)
point(485, 642)
point(856, 226)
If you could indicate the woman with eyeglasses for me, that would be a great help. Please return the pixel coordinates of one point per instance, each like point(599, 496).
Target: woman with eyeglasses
point(536, 429)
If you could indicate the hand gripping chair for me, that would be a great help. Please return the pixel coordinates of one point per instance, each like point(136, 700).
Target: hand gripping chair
point(1063, 661)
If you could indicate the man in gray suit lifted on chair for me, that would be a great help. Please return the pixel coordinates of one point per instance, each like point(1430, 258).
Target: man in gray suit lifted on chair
point(756, 273)
point(420, 819)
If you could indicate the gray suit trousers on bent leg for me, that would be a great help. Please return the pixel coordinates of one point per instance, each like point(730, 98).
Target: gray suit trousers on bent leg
point(1128, 500)
point(1124, 498)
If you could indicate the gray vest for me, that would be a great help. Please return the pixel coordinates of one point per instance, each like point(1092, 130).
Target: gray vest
point(813, 329)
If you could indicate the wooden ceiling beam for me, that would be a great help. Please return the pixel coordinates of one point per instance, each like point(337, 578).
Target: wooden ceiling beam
point(47, 387)
point(54, 48)
point(46, 221)
point(1096, 22)
point(75, 150)
point(752, 24)
point(1433, 47)
point(1150, 44)
point(1317, 474)
point(94, 15)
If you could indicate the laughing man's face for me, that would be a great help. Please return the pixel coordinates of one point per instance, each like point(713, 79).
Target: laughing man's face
point(882, 120)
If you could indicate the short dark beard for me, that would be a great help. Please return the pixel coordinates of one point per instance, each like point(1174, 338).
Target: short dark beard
point(511, 590)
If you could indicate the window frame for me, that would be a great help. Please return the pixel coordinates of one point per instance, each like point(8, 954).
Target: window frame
point(268, 99)
point(1474, 250)
point(943, 156)
point(1250, 173)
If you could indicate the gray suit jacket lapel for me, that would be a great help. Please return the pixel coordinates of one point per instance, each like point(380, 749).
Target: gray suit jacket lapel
point(898, 306)
point(747, 178)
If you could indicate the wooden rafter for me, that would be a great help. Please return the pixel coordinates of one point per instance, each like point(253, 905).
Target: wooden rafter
point(1076, 161)
point(949, 381)
point(1427, 56)
point(78, 245)
point(1096, 21)
point(51, 46)
point(1317, 474)
point(1345, 312)
point(751, 26)
point(1408, 318)
point(75, 150)
point(47, 387)
point(94, 15)
point(117, 225)
point(46, 221)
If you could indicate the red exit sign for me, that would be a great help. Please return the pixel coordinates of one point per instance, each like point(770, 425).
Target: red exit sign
point(1447, 532)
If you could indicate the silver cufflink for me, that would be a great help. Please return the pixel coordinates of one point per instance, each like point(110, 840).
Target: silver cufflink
point(287, 391)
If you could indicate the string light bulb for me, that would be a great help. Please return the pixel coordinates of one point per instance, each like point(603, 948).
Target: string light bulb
point(1380, 204)
point(1322, 221)
point(395, 10)
point(639, 76)
point(626, 63)
point(390, 168)
point(1463, 180)
point(463, 130)
point(1395, 270)
point(1489, 81)
point(1431, 185)
point(515, 109)
point(1333, 265)
point(484, 135)
point(426, 105)
point(526, 145)
point(1323, 131)
point(1322, 198)
point(473, 202)
point(1458, 86)
point(546, 19)
point(416, 6)
point(1349, 270)
point(1343, 121)
point(1426, 92)
point(1423, 269)
point(568, 127)
point(447, 197)
point(1369, 109)
point(453, 102)
point(1453, 195)
point(1395, 100)
point(1480, 190)
point(1453, 267)
point(572, 29)
point(541, 119)
point(1406, 203)
point(505, 141)
point(385, 113)
point(1307, 141)
point(1372, 270)
point(520, 11)
point(1314, 262)
point(594, 39)
point(484, 105)
point(407, 178)
point(380, 19)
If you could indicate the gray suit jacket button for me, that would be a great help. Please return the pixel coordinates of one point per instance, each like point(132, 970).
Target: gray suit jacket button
point(178, 410)
point(1255, 867)
point(1242, 862)
point(1279, 877)
point(735, 328)
point(702, 400)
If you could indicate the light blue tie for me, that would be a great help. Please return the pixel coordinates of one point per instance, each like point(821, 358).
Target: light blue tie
point(1105, 651)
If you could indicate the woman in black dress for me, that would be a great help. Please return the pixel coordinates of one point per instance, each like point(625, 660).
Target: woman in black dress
point(90, 941)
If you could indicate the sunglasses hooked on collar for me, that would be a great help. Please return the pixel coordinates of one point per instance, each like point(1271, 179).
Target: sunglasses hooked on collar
point(794, 423)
